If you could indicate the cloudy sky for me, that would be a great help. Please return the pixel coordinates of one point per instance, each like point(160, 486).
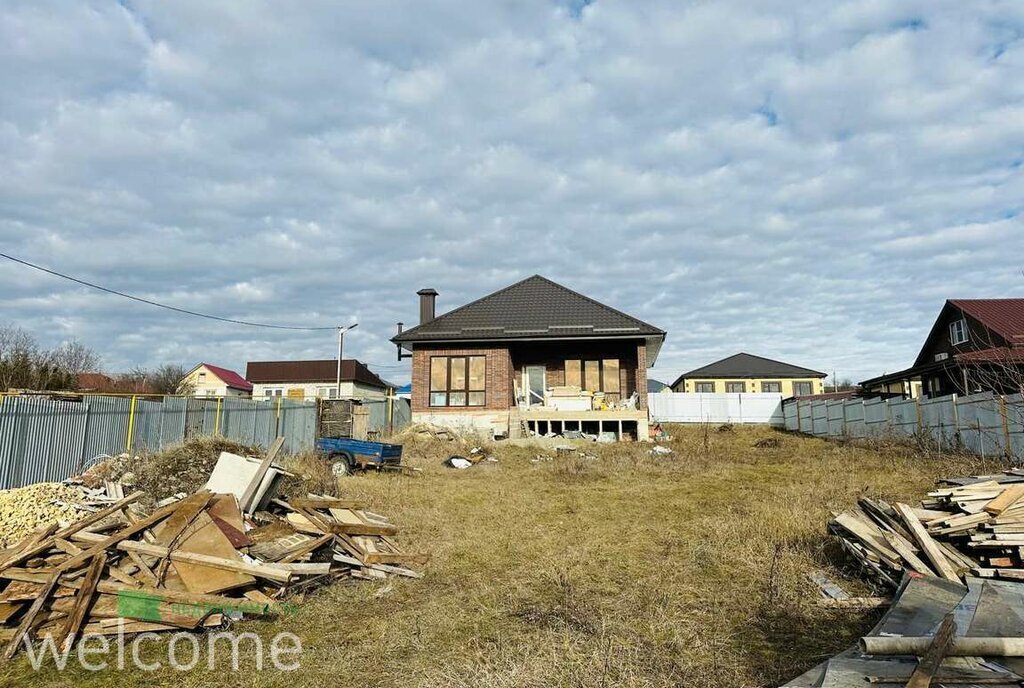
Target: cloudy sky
point(802, 180)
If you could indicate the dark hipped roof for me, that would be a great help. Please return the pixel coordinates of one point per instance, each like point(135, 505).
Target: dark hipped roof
point(311, 371)
point(747, 366)
point(535, 308)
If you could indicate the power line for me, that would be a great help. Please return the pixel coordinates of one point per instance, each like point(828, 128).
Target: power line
point(161, 305)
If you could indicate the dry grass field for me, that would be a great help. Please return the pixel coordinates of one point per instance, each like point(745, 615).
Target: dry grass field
point(623, 570)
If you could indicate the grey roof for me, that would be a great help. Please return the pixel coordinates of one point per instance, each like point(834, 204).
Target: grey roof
point(655, 385)
point(746, 366)
point(535, 308)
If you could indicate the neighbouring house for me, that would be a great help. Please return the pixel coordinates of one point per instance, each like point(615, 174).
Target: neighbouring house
point(315, 379)
point(206, 380)
point(532, 357)
point(745, 373)
point(96, 382)
point(975, 345)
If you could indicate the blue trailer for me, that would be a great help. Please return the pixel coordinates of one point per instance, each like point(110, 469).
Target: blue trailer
point(347, 455)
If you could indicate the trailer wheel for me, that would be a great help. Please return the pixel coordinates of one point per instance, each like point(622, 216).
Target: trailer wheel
point(342, 463)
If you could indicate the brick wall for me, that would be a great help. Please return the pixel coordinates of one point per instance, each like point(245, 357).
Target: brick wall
point(498, 378)
point(504, 366)
point(641, 374)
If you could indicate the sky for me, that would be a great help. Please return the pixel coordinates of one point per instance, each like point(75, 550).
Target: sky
point(803, 181)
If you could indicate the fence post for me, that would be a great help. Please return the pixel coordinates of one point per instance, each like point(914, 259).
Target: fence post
point(1006, 426)
point(216, 422)
point(131, 425)
point(391, 421)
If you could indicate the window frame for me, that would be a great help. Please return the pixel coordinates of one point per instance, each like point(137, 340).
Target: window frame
point(580, 365)
point(959, 327)
point(733, 383)
point(698, 385)
point(775, 383)
point(467, 390)
point(810, 388)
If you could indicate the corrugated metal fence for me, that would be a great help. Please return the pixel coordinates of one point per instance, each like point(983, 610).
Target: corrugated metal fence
point(985, 424)
point(48, 439)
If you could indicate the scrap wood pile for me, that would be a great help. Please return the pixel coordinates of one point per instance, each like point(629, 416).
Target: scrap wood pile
point(194, 561)
point(968, 526)
point(936, 633)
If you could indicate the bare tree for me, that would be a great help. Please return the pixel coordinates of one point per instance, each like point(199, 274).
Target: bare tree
point(25, 365)
point(167, 379)
point(75, 357)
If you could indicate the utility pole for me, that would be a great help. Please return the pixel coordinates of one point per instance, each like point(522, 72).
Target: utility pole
point(341, 335)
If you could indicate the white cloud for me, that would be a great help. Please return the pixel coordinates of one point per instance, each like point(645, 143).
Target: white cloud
point(803, 181)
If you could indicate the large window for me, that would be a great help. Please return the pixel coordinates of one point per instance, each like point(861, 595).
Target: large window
point(802, 389)
point(704, 387)
point(595, 376)
point(458, 380)
point(735, 387)
point(771, 387)
point(958, 332)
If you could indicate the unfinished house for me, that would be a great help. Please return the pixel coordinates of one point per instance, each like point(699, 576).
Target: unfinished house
point(534, 357)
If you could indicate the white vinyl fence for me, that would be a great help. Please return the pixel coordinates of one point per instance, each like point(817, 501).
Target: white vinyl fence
point(985, 424)
point(682, 407)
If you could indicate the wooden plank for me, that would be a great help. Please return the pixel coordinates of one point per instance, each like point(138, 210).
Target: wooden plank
point(115, 572)
point(162, 594)
point(932, 658)
point(178, 555)
point(170, 533)
point(1006, 499)
point(870, 536)
point(306, 548)
point(144, 571)
point(925, 542)
point(257, 479)
point(205, 538)
point(325, 503)
point(123, 534)
point(909, 556)
point(83, 600)
point(30, 616)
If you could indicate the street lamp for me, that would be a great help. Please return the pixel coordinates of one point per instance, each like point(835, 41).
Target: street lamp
point(341, 334)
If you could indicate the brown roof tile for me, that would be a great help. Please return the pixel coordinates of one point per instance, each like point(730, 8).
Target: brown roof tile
point(311, 371)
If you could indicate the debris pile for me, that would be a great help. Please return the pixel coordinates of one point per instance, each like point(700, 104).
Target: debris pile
point(24, 509)
point(936, 633)
point(968, 526)
point(429, 430)
point(193, 561)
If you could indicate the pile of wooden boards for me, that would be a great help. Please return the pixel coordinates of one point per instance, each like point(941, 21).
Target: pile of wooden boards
point(193, 561)
point(967, 526)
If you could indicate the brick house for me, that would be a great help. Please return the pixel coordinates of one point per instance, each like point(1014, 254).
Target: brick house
point(532, 357)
